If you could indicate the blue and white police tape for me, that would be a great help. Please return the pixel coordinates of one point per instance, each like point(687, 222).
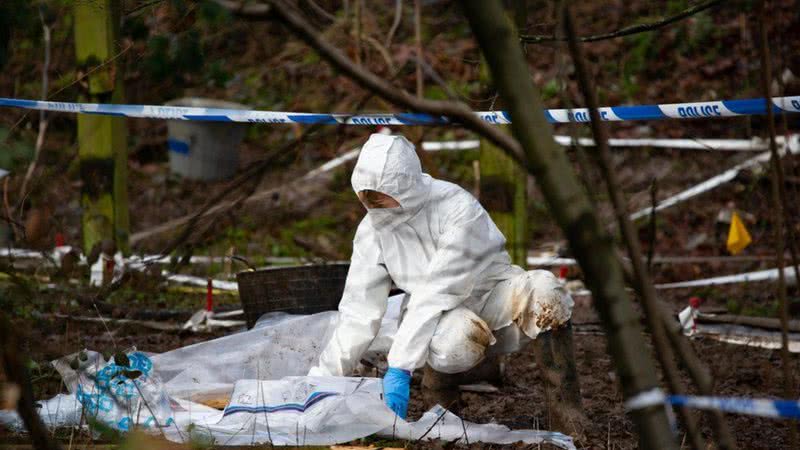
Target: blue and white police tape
point(763, 407)
point(720, 108)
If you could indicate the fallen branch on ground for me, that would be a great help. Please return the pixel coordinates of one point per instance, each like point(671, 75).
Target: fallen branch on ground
point(769, 323)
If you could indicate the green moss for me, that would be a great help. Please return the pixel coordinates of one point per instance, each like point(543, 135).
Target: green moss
point(550, 89)
point(217, 75)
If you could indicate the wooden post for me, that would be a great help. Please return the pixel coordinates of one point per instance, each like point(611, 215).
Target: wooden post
point(555, 356)
point(102, 140)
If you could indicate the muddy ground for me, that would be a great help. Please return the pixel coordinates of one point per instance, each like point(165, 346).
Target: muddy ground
point(520, 402)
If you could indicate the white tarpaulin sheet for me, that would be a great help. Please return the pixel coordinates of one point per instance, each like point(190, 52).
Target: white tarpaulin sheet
point(253, 374)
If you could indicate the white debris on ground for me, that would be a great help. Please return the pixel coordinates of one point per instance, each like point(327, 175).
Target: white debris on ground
point(736, 334)
point(243, 389)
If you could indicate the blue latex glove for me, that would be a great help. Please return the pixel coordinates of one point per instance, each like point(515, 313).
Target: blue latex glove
point(396, 386)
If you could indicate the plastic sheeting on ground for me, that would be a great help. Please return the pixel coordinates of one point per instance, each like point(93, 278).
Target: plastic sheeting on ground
point(734, 333)
point(304, 411)
point(253, 375)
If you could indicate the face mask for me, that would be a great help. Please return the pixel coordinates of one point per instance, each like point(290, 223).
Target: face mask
point(386, 218)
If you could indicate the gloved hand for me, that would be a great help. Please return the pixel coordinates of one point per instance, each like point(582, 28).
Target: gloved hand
point(396, 386)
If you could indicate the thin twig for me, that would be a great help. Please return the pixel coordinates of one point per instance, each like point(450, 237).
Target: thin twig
point(14, 223)
point(652, 229)
point(646, 290)
point(152, 413)
point(398, 17)
point(456, 111)
point(214, 208)
point(264, 402)
point(382, 50)
point(634, 29)
point(80, 78)
point(42, 115)
point(138, 8)
point(8, 210)
point(103, 320)
point(778, 211)
point(436, 421)
point(320, 11)
point(418, 41)
point(583, 162)
point(357, 12)
point(787, 207)
point(653, 309)
point(464, 427)
point(213, 204)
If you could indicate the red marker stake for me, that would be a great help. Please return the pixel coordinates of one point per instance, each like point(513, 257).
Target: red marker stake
point(108, 272)
point(209, 296)
point(562, 272)
point(694, 303)
point(59, 240)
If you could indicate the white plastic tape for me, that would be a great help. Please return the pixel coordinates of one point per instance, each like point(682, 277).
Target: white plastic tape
point(645, 399)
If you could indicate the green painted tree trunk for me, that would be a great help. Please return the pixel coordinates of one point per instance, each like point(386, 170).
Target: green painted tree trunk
point(102, 140)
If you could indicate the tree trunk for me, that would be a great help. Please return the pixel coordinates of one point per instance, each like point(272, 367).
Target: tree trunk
point(102, 140)
point(590, 242)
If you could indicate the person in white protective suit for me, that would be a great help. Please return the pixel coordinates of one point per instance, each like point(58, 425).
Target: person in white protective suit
point(434, 240)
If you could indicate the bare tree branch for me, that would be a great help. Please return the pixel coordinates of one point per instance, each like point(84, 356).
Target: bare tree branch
point(216, 207)
point(778, 204)
point(654, 312)
point(357, 7)
point(42, 116)
point(633, 29)
point(398, 16)
point(456, 111)
point(320, 11)
point(418, 42)
point(570, 207)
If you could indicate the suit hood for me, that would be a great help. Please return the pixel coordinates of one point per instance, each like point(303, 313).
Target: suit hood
point(389, 165)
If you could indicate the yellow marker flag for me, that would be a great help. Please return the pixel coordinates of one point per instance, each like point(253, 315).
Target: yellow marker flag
point(738, 237)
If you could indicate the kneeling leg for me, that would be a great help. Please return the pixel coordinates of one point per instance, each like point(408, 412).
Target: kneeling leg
point(458, 345)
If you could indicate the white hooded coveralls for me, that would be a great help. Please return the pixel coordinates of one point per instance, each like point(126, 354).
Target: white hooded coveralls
point(443, 250)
